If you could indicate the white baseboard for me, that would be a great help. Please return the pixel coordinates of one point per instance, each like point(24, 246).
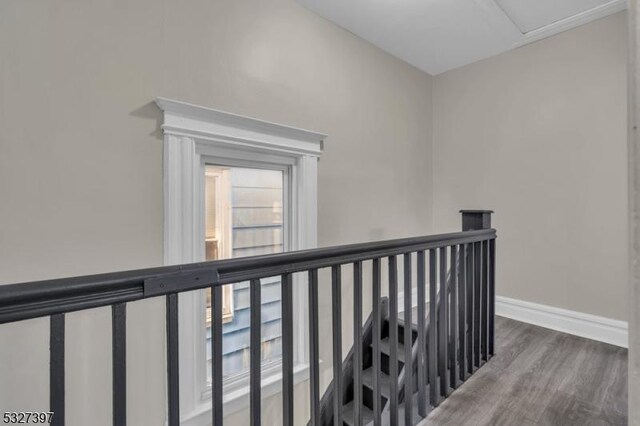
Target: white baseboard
point(593, 327)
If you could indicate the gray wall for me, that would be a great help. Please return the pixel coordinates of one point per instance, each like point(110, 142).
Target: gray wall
point(539, 135)
point(81, 157)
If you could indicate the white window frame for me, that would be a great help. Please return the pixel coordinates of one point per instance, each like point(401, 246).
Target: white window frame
point(225, 219)
point(195, 136)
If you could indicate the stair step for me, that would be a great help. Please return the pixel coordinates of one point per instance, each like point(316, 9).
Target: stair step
point(385, 349)
point(414, 319)
point(367, 414)
point(348, 414)
point(385, 382)
point(416, 418)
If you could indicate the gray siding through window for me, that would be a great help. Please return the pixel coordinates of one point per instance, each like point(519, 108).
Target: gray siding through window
point(257, 222)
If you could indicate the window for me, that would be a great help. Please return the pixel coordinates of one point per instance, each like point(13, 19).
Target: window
point(234, 186)
point(244, 216)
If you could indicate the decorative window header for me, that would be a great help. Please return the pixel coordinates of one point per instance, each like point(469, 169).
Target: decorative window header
point(184, 119)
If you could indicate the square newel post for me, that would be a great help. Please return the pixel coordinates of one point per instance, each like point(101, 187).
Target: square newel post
point(476, 219)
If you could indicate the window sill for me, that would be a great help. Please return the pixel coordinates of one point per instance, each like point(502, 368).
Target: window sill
point(238, 400)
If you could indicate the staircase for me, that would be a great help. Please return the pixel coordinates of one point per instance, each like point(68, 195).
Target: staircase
point(385, 379)
point(368, 373)
point(462, 343)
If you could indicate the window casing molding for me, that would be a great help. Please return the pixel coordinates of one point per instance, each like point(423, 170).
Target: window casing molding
point(220, 180)
point(193, 134)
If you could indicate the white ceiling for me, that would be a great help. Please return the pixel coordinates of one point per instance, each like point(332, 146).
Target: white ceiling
point(439, 35)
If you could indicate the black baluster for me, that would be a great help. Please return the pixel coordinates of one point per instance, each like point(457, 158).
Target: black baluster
point(462, 306)
point(216, 355)
point(443, 319)
point(119, 362)
point(287, 349)
point(484, 347)
point(453, 319)
point(255, 387)
point(313, 348)
point(492, 296)
point(376, 343)
point(56, 369)
point(408, 343)
point(357, 342)
point(173, 382)
point(433, 322)
point(422, 343)
point(336, 316)
point(477, 303)
point(393, 339)
point(471, 254)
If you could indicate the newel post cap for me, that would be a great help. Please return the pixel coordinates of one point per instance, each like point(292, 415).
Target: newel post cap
point(476, 219)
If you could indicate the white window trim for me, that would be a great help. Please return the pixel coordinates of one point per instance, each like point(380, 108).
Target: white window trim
point(191, 134)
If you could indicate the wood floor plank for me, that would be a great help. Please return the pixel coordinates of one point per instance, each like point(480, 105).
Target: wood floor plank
point(617, 392)
point(566, 409)
point(541, 377)
point(604, 360)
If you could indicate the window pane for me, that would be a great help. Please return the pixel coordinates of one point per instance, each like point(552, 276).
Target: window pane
point(244, 217)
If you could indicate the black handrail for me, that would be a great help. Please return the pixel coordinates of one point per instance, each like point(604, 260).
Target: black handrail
point(41, 298)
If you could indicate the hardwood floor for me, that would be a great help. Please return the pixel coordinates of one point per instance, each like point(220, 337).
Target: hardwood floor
point(541, 377)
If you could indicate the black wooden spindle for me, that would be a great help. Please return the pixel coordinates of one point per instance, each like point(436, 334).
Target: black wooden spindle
point(469, 332)
point(254, 348)
point(336, 317)
point(484, 347)
point(477, 304)
point(408, 343)
point(357, 342)
point(314, 352)
point(433, 321)
point(376, 343)
point(492, 296)
point(471, 254)
point(443, 324)
point(422, 343)
point(56, 369)
point(462, 317)
point(172, 360)
point(393, 339)
point(216, 355)
point(453, 319)
point(287, 349)
point(119, 362)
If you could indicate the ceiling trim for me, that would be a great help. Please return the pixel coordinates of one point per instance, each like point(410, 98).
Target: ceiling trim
point(570, 22)
point(441, 35)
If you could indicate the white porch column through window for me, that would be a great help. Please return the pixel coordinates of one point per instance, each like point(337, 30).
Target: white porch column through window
point(192, 133)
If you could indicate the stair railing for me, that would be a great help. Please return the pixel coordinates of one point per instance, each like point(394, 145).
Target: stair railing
point(461, 339)
point(475, 306)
